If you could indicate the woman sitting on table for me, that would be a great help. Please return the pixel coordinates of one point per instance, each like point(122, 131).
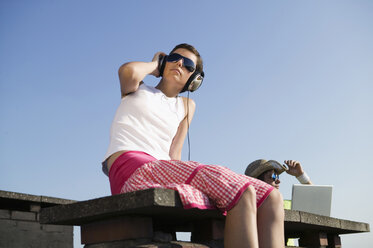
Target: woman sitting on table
point(146, 140)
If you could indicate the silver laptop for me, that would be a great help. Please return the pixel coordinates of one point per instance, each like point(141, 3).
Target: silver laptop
point(316, 199)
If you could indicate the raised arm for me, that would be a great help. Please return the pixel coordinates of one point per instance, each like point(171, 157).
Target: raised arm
point(178, 141)
point(131, 74)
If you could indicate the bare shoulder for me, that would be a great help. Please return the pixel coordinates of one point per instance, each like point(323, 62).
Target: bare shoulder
point(189, 103)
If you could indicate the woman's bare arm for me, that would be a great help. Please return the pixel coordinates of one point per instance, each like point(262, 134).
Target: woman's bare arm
point(178, 141)
point(131, 74)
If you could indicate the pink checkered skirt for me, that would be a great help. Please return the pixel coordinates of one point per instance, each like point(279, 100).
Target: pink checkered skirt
point(199, 186)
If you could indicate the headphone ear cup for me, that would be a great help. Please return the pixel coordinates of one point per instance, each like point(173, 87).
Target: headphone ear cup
point(197, 82)
point(161, 64)
point(194, 82)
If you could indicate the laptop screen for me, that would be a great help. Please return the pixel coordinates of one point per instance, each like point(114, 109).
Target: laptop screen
point(316, 199)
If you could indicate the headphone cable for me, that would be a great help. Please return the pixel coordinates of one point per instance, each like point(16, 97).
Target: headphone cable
point(188, 127)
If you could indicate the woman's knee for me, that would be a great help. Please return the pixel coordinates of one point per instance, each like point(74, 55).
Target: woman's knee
point(246, 205)
point(276, 197)
point(274, 202)
point(250, 192)
point(249, 196)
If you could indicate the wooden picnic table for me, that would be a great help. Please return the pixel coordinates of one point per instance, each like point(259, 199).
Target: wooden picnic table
point(150, 218)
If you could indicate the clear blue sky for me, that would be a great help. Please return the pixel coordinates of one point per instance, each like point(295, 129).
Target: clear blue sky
point(284, 80)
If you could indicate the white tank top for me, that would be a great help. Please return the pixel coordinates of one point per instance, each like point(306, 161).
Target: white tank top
point(146, 120)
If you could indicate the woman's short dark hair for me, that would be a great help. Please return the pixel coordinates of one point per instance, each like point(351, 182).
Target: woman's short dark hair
point(190, 48)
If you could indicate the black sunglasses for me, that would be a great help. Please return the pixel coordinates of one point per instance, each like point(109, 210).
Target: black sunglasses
point(187, 63)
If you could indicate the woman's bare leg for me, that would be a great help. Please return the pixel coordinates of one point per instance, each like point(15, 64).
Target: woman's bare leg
point(240, 225)
point(271, 221)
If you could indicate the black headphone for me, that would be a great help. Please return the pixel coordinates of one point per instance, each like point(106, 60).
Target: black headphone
point(194, 81)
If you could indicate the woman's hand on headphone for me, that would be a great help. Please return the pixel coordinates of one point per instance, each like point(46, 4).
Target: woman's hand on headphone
point(156, 60)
